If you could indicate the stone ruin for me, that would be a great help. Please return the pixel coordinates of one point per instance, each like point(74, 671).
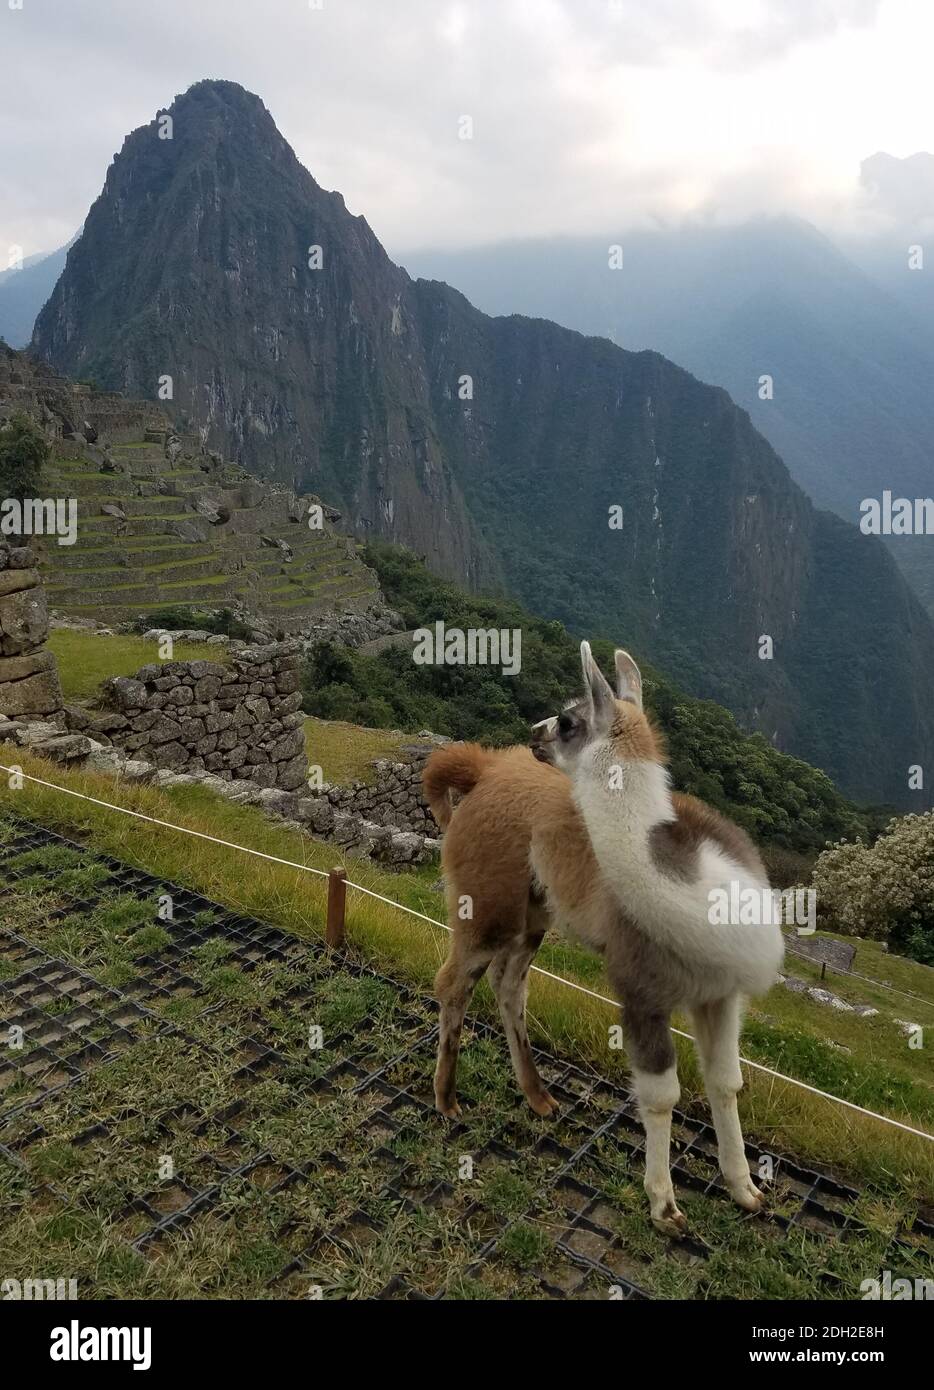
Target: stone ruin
point(29, 684)
point(393, 798)
point(236, 729)
point(241, 721)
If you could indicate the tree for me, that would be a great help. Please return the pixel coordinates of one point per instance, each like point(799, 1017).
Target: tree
point(884, 891)
point(24, 453)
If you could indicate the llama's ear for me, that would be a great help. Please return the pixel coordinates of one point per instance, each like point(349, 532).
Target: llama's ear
point(628, 678)
point(598, 689)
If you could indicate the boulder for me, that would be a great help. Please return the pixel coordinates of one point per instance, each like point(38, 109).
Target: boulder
point(16, 668)
point(277, 802)
point(169, 755)
point(64, 748)
point(13, 580)
point(264, 774)
point(37, 694)
point(76, 717)
point(207, 688)
point(105, 760)
point(125, 692)
point(288, 747)
point(24, 619)
point(315, 812)
point(136, 771)
point(164, 730)
point(291, 775)
point(109, 722)
point(34, 731)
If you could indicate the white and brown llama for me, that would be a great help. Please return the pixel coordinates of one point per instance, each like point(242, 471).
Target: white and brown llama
point(587, 834)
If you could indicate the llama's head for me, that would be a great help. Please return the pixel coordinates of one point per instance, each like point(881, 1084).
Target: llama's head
point(605, 727)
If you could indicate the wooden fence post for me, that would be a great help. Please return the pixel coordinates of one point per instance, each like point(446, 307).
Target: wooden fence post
point(337, 903)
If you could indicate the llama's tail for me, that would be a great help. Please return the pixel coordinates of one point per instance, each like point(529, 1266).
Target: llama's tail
point(457, 767)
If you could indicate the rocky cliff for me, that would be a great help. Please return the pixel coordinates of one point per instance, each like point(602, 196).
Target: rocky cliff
point(607, 488)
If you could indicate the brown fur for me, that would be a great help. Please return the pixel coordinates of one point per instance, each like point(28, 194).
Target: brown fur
point(509, 797)
point(635, 737)
point(457, 767)
point(515, 809)
point(676, 845)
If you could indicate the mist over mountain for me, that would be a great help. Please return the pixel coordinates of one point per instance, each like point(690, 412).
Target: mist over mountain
point(23, 293)
point(605, 487)
point(849, 350)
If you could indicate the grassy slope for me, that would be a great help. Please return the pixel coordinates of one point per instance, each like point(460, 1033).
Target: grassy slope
point(785, 1031)
point(344, 752)
point(85, 660)
point(249, 1233)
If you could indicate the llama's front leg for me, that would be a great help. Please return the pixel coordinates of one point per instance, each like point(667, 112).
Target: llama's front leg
point(454, 984)
point(717, 1028)
point(655, 1079)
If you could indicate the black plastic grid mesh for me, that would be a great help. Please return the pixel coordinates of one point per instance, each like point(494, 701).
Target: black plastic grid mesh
point(76, 1026)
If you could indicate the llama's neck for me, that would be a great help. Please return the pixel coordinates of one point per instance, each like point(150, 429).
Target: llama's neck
point(621, 802)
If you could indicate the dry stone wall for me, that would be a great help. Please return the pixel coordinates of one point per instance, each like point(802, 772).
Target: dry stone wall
point(29, 683)
point(394, 796)
point(241, 721)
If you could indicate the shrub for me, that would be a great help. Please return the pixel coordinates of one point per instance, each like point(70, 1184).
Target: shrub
point(781, 801)
point(180, 615)
point(24, 453)
point(883, 891)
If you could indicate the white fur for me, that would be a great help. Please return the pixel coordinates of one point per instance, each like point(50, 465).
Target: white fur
point(674, 913)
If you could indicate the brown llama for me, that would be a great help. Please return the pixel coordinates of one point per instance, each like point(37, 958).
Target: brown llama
point(586, 834)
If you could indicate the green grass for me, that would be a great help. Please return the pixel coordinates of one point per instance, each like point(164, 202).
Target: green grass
point(85, 660)
point(101, 1143)
point(864, 1060)
point(344, 751)
point(873, 959)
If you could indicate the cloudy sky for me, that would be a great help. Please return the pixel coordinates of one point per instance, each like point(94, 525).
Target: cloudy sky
point(588, 115)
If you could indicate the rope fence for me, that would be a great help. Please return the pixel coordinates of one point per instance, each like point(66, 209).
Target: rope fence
point(335, 930)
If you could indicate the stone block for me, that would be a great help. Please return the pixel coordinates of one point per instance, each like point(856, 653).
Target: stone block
point(24, 621)
point(16, 668)
point(293, 774)
point(13, 581)
point(35, 695)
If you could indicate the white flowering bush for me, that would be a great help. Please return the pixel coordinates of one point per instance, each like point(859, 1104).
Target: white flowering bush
point(883, 891)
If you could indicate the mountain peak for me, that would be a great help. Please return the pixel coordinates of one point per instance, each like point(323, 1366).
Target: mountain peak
point(212, 265)
point(217, 95)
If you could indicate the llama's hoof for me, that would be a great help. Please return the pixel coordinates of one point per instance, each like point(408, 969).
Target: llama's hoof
point(448, 1108)
point(747, 1195)
point(671, 1221)
point(544, 1105)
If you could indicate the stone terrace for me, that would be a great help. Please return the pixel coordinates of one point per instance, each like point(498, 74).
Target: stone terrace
point(161, 523)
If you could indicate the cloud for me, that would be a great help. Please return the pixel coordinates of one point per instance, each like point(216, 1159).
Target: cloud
point(586, 114)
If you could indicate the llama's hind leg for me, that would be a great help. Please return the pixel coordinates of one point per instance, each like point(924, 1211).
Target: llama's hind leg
point(454, 984)
point(509, 978)
point(716, 1029)
point(655, 1080)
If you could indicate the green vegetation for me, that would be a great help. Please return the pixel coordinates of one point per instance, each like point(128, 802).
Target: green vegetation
point(867, 1061)
point(884, 891)
point(85, 660)
point(24, 454)
point(790, 807)
point(182, 615)
point(345, 752)
point(100, 1145)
